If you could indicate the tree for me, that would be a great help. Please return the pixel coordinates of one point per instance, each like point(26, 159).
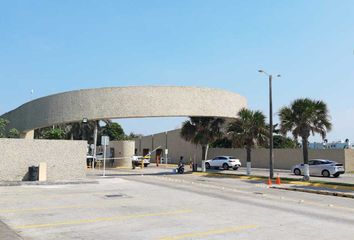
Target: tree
point(133, 136)
point(222, 142)
point(303, 118)
point(55, 133)
point(203, 131)
point(12, 133)
point(82, 131)
point(114, 131)
point(3, 124)
point(248, 130)
point(280, 141)
point(73, 131)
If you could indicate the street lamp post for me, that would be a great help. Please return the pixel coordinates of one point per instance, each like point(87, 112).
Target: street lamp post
point(271, 157)
point(85, 122)
point(94, 145)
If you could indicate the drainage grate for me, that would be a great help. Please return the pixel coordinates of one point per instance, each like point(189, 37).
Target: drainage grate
point(114, 195)
point(258, 193)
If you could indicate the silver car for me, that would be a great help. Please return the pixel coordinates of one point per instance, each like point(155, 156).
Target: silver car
point(320, 167)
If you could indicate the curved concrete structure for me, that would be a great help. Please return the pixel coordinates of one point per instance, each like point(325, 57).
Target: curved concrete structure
point(123, 152)
point(124, 102)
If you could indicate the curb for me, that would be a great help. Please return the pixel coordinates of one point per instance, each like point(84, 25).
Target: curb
point(322, 192)
point(35, 183)
point(330, 185)
point(6, 233)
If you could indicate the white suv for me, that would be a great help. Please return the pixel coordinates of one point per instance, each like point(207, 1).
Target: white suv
point(225, 162)
point(137, 160)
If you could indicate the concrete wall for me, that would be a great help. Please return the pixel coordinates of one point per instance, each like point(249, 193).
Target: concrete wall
point(171, 140)
point(283, 158)
point(349, 159)
point(65, 159)
point(123, 150)
point(286, 158)
point(124, 102)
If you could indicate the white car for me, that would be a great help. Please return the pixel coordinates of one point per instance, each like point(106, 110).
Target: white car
point(224, 162)
point(320, 167)
point(137, 160)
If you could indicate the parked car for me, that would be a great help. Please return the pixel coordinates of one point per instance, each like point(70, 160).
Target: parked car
point(137, 160)
point(89, 159)
point(320, 167)
point(224, 162)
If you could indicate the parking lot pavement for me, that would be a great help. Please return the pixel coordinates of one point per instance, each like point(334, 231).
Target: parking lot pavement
point(154, 204)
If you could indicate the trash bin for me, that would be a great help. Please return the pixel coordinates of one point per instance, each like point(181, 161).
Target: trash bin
point(195, 167)
point(33, 173)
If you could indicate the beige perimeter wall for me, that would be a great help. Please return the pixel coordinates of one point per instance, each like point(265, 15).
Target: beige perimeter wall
point(349, 159)
point(283, 158)
point(173, 142)
point(286, 158)
point(65, 159)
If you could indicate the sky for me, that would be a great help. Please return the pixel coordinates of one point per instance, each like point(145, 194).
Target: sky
point(57, 46)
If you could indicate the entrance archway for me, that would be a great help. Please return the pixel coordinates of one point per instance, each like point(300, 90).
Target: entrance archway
point(124, 102)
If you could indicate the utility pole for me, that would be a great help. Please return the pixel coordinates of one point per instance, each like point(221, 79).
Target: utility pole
point(271, 157)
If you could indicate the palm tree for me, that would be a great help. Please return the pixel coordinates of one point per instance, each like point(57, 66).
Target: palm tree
point(303, 118)
point(83, 131)
point(248, 130)
point(203, 131)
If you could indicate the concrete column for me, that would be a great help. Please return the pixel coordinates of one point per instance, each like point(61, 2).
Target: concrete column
point(123, 150)
point(27, 135)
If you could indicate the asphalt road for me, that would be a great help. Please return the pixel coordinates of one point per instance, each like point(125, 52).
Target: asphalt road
point(155, 204)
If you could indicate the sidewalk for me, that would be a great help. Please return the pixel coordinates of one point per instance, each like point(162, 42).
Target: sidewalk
point(7, 234)
point(63, 182)
point(347, 178)
point(324, 186)
point(316, 190)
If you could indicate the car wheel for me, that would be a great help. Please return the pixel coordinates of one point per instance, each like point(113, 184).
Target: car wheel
point(297, 171)
point(225, 166)
point(235, 168)
point(207, 165)
point(336, 175)
point(326, 173)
